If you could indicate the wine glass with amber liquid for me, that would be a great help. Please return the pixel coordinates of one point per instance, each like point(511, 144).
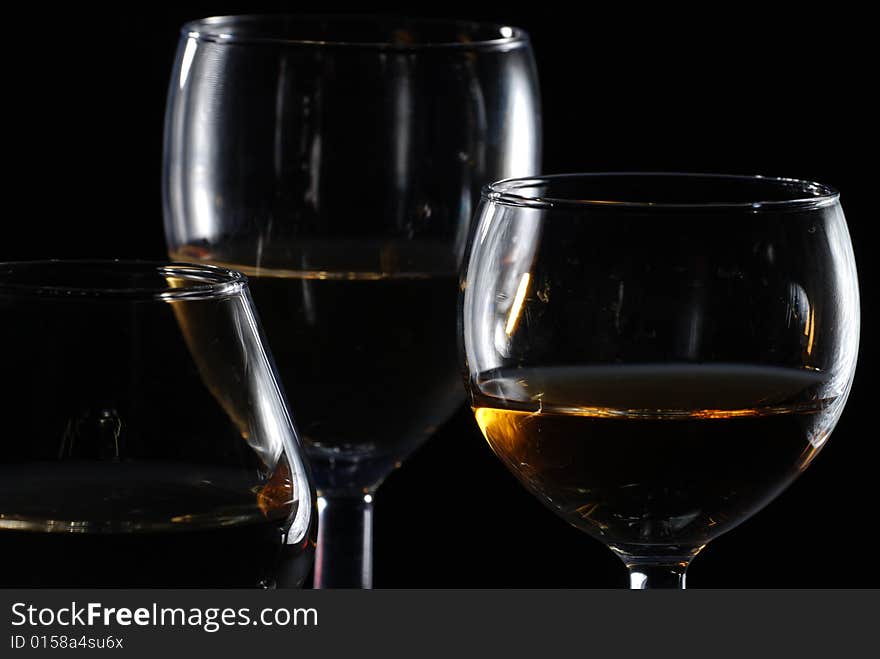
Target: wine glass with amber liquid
point(337, 161)
point(654, 356)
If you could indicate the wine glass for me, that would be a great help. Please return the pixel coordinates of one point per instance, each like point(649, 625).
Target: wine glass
point(657, 356)
point(147, 443)
point(336, 161)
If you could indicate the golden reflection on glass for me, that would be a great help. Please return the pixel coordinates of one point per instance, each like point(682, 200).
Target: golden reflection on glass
point(516, 308)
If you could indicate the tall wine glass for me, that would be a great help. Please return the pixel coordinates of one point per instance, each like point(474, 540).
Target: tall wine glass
point(146, 441)
point(336, 162)
point(657, 356)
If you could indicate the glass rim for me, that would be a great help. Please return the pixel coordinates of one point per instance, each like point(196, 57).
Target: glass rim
point(506, 192)
point(208, 29)
point(208, 281)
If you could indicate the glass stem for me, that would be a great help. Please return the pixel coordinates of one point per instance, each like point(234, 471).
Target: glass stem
point(665, 572)
point(344, 556)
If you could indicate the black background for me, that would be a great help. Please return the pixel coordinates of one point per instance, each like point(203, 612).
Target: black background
point(721, 88)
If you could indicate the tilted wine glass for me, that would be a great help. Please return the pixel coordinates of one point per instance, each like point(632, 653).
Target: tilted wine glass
point(147, 441)
point(336, 162)
point(657, 356)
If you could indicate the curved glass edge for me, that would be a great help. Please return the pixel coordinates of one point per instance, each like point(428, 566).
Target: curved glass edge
point(206, 29)
point(214, 282)
point(500, 193)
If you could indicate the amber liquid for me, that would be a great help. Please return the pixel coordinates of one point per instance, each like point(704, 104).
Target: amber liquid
point(364, 340)
point(655, 455)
